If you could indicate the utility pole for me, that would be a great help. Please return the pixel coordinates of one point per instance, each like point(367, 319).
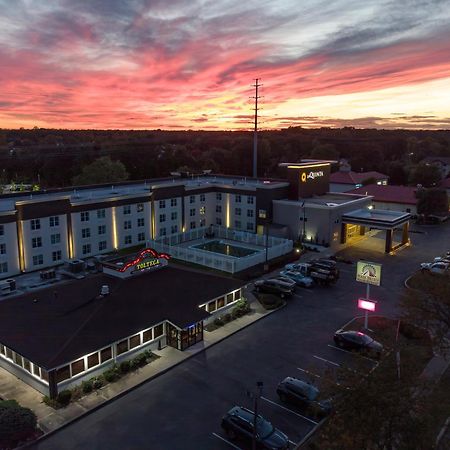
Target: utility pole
point(255, 132)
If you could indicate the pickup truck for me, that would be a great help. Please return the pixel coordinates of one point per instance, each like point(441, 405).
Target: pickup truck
point(318, 274)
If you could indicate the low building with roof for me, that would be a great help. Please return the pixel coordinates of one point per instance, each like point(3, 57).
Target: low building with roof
point(347, 180)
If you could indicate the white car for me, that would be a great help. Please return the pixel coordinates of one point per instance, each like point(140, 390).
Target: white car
point(436, 267)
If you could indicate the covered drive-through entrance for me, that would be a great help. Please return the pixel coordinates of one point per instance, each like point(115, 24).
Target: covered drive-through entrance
point(360, 221)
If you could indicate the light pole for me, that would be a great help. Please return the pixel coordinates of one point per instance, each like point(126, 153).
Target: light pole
point(266, 264)
point(259, 386)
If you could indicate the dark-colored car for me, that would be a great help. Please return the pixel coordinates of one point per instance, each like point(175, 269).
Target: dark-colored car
point(274, 286)
point(304, 395)
point(356, 340)
point(238, 423)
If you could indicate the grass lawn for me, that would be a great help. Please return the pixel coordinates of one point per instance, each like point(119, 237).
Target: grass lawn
point(424, 281)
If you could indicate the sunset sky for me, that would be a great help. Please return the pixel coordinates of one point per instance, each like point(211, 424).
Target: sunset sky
point(190, 64)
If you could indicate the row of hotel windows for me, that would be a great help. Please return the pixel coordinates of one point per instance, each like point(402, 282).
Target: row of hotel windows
point(106, 354)
point(22, 362)
point(237, 224)
point(218, 303)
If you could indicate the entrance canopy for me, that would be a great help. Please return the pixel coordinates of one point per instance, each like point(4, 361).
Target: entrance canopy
point(380, 220)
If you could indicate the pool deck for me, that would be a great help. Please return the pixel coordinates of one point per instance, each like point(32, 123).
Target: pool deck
point(194, 242)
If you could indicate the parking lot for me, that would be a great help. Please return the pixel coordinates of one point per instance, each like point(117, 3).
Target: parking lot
point(183, 408)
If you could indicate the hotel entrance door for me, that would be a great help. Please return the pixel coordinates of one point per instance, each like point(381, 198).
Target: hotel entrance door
point(182, 339)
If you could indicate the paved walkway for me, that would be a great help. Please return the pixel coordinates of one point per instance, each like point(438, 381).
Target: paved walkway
point(50, 419)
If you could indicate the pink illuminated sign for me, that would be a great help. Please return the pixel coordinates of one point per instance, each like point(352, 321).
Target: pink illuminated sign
point(366, 304)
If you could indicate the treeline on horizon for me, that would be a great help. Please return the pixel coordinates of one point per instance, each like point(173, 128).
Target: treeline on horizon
point(53, 157)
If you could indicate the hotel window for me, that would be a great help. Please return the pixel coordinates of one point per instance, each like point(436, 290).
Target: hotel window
point(85, 233)
point(250, 226)
point(202, 210)
point(44, 375)
point(163, 232)
point(202, 197)
point(122, 346)
point(86, 249)
point(237, 295)
point(26, 365)
point(237, 198)
point(38, 260)
point(140, 222)
point(202, 222)
point(35, 224)
point(192, 199)
point(262, 214)
point(162, 218)
point(237, 211)
point(2, 230)
point(158, 331)
point(105, 354)
point(54, 221)
point(220, 302)
point(101, 213)
point(212, 306)
point(174, 229)
point(2, 249)
point(128, 239)
point(127, 225)
point(192, 212)
point(218, 195)
point(63, 374)
point(174, 215)
point(147, 335)
point(173, 202)
point(2, 349)
point(101, 229)
point(9, 353)
point(127, 210)
point(229, 298)
point(77, 367)
point(249, 212)
point(250, 200)
point(218, 221)
point(218, 208)
point(93, 360)
point(3, 267)
point(36, 370)
point(141, 237)
point(162, 204)
point(85, 216)
point(135, 341)
point(56, 256)
point(192, 225)
point(140, 207)
point(102, 245)
point(18, 359)
point(237, 224)
point(55, 238)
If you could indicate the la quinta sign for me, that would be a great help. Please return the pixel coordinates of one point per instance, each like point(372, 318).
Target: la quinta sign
point(311, 175)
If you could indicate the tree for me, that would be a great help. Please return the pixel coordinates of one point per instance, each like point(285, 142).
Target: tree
point(16, 423)
point(324, 151)
point(427, 175)
point(432, 201)
point(102, 170)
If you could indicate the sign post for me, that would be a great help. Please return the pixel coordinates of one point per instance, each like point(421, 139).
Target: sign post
point(369, 273)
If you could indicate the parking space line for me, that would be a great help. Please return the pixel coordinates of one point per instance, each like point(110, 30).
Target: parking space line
point(308, 372)
point(225, 440)
point(292, 443)
point(289, 410)
point(351, 353)
point(327, 361)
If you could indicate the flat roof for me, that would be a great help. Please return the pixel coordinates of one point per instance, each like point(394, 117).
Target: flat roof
point(53, 326)
point(377, 218)
point(389, 193)
point(137, 188)
point(329, 199)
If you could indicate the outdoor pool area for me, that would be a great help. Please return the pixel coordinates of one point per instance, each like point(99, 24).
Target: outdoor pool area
point(223, 248)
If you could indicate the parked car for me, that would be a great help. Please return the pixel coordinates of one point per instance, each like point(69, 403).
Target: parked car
point(436, 267)
point(356, 340)
point(329, 262)
point(274, 286)
point(298, 278)
point(238, 423)
point(288, 281)
point(304, 395)
point(318, 274)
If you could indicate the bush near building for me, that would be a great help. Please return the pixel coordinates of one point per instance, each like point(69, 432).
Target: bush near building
point(269, 301)
point(241, 308)
point(17, 424)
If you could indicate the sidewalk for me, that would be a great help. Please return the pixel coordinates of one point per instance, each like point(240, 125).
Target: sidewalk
point(50, 419)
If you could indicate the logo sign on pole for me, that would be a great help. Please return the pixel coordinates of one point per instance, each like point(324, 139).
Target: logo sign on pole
point(367, 305)
point(368, 272)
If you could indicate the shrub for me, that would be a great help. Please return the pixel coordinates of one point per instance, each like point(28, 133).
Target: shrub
point(111, 375)
point(148, 354)
point(16, 423)
point(64, 397)
point(138, 361)
point(124, 366)
point(98, 382)
point(219, 322)
point(87, 386)
point(227, 318)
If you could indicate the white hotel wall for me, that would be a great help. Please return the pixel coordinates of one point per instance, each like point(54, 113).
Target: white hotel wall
point(44, 232)
point(11, 257)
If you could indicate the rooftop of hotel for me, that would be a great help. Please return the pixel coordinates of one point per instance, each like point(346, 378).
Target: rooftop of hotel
point(136, 188)
point(329, 199)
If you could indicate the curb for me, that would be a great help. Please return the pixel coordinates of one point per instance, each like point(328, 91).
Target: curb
point(132, 388)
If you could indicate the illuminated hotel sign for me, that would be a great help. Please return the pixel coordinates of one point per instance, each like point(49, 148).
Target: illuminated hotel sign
point(146, 260)
point(368, 272)
point(311, 175)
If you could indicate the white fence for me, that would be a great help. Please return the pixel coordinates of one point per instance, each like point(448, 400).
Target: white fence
point(172, 245)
